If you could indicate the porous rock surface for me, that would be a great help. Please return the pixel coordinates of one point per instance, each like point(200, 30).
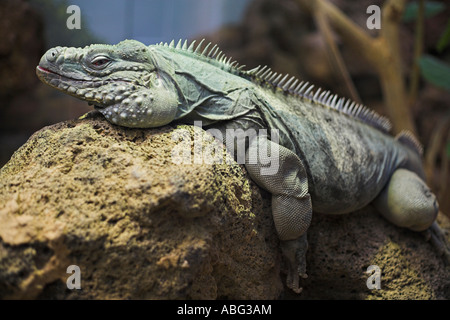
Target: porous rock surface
point(112, 201)
point(341, 249)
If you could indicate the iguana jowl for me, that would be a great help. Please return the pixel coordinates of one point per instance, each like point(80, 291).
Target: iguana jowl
point(334, 156)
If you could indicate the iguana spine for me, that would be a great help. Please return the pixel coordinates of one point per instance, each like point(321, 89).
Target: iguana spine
point(265, 76)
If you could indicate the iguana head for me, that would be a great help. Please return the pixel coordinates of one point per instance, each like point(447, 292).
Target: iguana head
point(122, 81)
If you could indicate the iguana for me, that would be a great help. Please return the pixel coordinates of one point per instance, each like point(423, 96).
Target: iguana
point(335, 156)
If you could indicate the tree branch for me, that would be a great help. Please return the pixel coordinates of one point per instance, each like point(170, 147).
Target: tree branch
point(383, 53)
point(334, 54)
point(418, 48)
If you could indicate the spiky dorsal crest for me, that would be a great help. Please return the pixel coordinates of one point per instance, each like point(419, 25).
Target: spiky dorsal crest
point(321, 97)
point(289, 85)
point(407, 138)
point(212, 55)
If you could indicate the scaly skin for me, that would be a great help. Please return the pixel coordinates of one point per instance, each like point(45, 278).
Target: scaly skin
point(334, 157)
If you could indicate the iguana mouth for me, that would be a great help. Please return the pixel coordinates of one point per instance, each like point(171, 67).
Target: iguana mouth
point(98, 92)
point(44, 69)
point(66, 84)
point(41, 71)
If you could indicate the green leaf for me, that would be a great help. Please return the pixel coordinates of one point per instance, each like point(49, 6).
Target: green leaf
point(412, 10)
point(444, 40)
point(435, 71)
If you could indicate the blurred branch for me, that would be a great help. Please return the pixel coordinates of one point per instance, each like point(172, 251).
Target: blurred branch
point(418, 48)
point(444, 183)
point(382, 52)
point(434, 147)
point(334, 54)
point(437, 160)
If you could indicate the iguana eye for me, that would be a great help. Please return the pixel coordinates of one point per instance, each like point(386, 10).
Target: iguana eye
point(100, 61)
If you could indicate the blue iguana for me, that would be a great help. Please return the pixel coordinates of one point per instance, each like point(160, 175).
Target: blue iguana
point(335, 156)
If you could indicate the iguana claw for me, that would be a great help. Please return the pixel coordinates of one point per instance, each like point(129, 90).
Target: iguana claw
point(295, 253)
point(437, 238)
point(293, 280)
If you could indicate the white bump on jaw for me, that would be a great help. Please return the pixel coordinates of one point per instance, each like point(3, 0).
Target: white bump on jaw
point(109, 97)
point(71, 89)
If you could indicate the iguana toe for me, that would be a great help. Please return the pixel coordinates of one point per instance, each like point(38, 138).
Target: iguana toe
point(294, 252)
point(437, 238)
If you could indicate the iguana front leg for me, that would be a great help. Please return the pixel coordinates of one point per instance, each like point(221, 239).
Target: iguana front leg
point(287, 181)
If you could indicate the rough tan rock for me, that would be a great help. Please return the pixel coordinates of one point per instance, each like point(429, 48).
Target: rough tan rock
point(110, 200)
point(343, 247)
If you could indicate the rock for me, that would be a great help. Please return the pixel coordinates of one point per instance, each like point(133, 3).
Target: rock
point(112, 201)
point(341, 248)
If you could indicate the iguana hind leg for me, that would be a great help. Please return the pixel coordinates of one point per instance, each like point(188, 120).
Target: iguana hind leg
point(285, 178)
point(408, 202)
